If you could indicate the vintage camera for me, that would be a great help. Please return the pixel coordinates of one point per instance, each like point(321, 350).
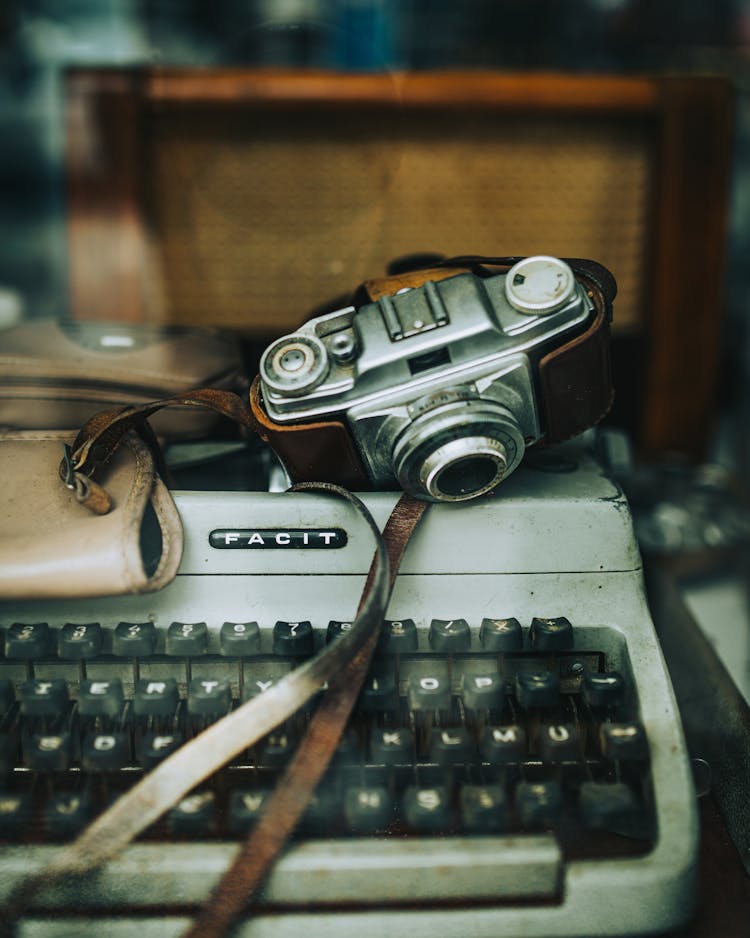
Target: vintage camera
point(441, 384)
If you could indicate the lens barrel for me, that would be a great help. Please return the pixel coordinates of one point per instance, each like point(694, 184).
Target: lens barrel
point(458, 451)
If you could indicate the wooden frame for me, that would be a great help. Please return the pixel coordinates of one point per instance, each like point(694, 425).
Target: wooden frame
point(690, 120)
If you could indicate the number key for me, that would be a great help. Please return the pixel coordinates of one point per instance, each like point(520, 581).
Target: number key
point(293, 638)
point(79, 641)
point(187, 638)
point(335, 628)
point(397, 636)
point(27, 641)
point(134, 639)
point(239, 639)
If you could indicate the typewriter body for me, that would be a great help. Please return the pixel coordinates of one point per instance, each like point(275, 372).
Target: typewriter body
point(515, 764)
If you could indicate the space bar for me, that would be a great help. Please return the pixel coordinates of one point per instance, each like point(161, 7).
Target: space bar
point(418, 870)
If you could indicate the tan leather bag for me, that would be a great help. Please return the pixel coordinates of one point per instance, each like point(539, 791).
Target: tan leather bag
point(51, 548)
point(54, 375)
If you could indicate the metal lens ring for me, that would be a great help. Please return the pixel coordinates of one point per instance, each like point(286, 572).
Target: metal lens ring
point(294, 364)
point(464, 468)
point(458, 452)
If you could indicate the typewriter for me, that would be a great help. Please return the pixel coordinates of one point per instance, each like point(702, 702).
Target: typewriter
point(515, 764)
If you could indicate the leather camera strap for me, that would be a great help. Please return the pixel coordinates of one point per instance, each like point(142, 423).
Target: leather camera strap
point(99, 438)
point(341, 666)
point(291, 796)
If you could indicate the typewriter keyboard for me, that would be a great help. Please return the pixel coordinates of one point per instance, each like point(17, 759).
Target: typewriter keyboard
point(462, 728)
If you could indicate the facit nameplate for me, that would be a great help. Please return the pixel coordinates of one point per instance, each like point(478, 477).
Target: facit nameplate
point(277, 538)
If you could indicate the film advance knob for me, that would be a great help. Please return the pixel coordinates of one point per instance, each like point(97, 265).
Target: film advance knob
point(540, 285)
point(294, 364)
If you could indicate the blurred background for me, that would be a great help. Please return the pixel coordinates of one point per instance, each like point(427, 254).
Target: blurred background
point(686, 503)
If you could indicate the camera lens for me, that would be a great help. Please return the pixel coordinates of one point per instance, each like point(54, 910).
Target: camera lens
point(463, 468)
point(466, 477)
point(458, 451)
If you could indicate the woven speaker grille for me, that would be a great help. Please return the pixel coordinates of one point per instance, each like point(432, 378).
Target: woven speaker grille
point(260, 215)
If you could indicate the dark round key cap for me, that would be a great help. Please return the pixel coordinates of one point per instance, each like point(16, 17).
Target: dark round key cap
point(187, 639)
point(66, 814)
point(451, 746)
point(25, 641)
point(551, 634)
point(15, 814)
point(156, 697)
point(154, 747)
point(239, 639)
point(501, 635)
point(397, 636)
point(429, 692)
point(483, 691)
point(603, 689)
point(105, 752)
point(335, 628)
point(539, 804)
point(245, 807)
point(367, 809)
point(623, 741)
point(537, 689)
point(257, 685)
point(448, 635)
point(43, 698)
point(207, 697)
point(194, 815)
point(484, 809)
point(79, 641)
point(293, 638)
point(427, 810)
point(101, 698)
point(500, 745)
point(379, 694)
point(47, 752)
point(276, 748)
point(134, 639)
point(392, 746)
point(559, 742)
